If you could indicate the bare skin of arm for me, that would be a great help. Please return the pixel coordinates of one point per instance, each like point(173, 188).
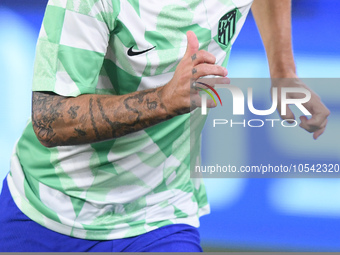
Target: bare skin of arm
point(273, 19)
point(89, 118)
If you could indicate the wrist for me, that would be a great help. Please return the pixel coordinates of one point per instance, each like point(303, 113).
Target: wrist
point(173, 101)
point(283, 72)
point(165, 98)
point(282, 66)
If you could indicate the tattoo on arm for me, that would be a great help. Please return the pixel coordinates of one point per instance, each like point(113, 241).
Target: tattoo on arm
point(73, 111)
point(93, 122)
point(151, 105)
point(43, 103)
point(59, 120)
point(80, 132)
point(113, 125)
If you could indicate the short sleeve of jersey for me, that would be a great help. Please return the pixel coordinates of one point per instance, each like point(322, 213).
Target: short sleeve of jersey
point(72, 45)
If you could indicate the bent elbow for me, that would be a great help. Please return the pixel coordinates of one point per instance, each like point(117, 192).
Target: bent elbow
point(43, 130)
point(47, 144)
point(43, 135)
point(44, 114)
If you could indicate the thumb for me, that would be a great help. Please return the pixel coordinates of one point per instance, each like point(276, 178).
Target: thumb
point(193, 45)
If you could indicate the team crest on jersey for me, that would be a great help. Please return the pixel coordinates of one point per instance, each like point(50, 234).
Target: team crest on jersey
point(227, 27)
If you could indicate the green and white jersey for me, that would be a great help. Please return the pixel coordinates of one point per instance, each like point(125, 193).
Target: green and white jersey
point(139, 182)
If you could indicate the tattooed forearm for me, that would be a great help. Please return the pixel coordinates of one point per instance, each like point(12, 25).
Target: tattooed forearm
point(151, 105)
point(93, 122)
point(43, 123)
point(59, 120)
point(113, 125)
point(73, 111)
point(80, 132)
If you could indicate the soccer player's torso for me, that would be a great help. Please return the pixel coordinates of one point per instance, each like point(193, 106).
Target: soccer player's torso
point(139, 182)
point(149, 39)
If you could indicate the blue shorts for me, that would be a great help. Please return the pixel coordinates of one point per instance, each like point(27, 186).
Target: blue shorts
point(18, 233)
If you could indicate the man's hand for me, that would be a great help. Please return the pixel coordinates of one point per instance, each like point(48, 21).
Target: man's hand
point(273, 19)
point(177, 94)
point(317, 123)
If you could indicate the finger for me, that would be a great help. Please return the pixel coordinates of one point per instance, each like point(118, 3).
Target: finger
point(207, 83)
point(208, 69)
point(317, 133)
point(318, 121)
point(211, 103)
point(203, 56)
point(303, 124)
point(318, 117)
point(196, 101)
point(192, 45)
point(212, 81)
point(320, 131)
